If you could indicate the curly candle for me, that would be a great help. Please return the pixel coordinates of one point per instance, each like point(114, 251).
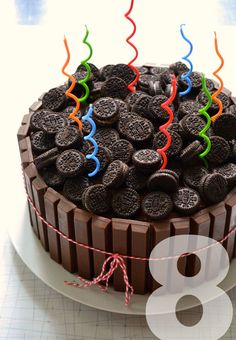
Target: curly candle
point(203, 111)
point(90, 138)
point(84, 81)
point(163, 128)
point(130, 64)
point(68, 92)
point(215, 94)
point(186, 76)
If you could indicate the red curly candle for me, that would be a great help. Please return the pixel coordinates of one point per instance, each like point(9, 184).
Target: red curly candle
point(163, 128)
point(130, 64)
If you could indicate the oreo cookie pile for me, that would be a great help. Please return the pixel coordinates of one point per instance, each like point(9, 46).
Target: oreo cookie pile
point(130, 183)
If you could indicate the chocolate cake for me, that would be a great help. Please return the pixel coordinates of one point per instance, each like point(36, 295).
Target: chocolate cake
point(131, 204)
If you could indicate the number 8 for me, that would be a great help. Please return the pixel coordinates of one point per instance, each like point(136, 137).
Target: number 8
point(161, 305)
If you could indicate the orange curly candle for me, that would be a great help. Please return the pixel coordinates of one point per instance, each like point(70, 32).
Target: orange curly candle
point(68, 92)
point(215, 94)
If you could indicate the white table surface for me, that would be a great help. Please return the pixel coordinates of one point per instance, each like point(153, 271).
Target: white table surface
point(31, 58)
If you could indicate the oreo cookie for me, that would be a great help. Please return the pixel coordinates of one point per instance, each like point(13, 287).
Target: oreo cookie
point(191, 152)
point(141, 106)
point(106, 137)
point(66, 114)
point(220, 150)
point(104, 156)
point(135, 180)
point(70, 163)
point(156, 110)
point(166, 78)
point(179, 67)
point(233, 151)
point(228, 171)
point(157, 205)
point(122, 106)
point(188, 107)
point(124, 72)
point(192, 125)
point(193, 175)
point(105, 111)
point(122, 150)
point(210, 84)
point(160, 140)
point(74, 187)
point(95, 92)
point(176, 128)
point(125, 202)
point(115, 174)
point(86, 127)
point(214, 188)
point(69, 137)
point(96, 199)
point(105, 71)
point(47, 158)
point(202, 98)
point(231, 109)
point(143, 69)
point(36, 119)
point(133, 97)
point(157, 70)
point(225, 126)
point(138, 131)
point(145, 79)
point(53, 178)
point(41, 142)
point(146, 160)
point(124, 118)
point(114, 87)
point(94, 70)
point(154, 88)
point(163, 180)
point(186, 201)
point(196, 80)
point(52, 123)
point(55, 99)
point(79, 89)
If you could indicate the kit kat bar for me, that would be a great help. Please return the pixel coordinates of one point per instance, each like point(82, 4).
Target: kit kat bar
point(217, 228)
point(35, 106)
point(39, 188)
point(179, 226)
point(41, 96)
point(30, 173)
point(140, 237)
point(51, 200)
point(121, 245)
point(26, 152)
point(23, 130)
point(83, 234)
point(160, 231)
point(199, 225)
point(233, 99)
point(65, 210)
point(101, 239)
point(230, 206)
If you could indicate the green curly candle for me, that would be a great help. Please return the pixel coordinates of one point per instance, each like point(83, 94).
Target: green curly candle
point(203, 112)
point(84, 81)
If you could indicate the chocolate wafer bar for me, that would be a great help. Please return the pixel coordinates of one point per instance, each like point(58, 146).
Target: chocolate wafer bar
point(83, 234)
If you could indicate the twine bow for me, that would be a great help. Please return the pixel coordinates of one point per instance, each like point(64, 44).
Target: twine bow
point(114, 261)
